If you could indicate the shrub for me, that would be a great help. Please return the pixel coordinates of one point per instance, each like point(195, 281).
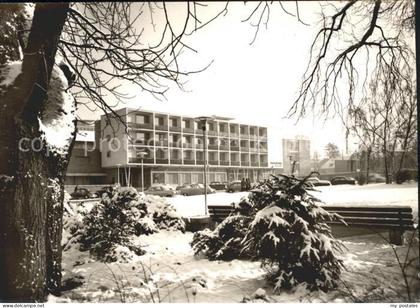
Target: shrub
point(282, 225)
point(404, 175)
point(110, 226)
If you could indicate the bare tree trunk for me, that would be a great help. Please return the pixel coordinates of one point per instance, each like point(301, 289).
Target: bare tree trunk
point(28, 258)
point(368, 153)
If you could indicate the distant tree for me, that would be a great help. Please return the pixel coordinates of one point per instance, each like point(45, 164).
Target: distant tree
point(332, 151)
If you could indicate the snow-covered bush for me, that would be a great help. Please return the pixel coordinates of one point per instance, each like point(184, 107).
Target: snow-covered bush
point(282, 225)
point(108, 229)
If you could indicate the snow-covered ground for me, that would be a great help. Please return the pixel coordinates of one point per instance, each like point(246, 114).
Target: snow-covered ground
point(380, 194)
point(174, 274)
point(169, 271)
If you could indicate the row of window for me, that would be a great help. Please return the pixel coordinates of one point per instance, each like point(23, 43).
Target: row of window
point(187, 141)
point(181, 178)
point(192, 124)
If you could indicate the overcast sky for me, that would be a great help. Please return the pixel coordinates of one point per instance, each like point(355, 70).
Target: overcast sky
point(254, 84)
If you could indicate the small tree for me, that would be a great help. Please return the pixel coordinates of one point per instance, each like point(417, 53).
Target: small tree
point(282, 225)
point(332, 151)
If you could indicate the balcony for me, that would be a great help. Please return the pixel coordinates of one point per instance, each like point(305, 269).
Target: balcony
point(189, 161)
point(134, 125)
point(161, 127)
point(162, 161)
point(188, 145)
point(176, 161)
point(214, 162)
point(176, 144)
point(188, 130)
point(254, 164)
point(263, 164)
point(212, 133)
point(245, 149)
point(212, 146)
point(244, 163)
point(161, 143)
point(199, 162)
point(234, 148)
point(137, 160)
point(224, 163)
point(175, 128)
point(234, 163)
point(223, 133)
point(224, 147)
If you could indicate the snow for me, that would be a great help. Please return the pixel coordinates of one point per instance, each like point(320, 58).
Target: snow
point(380, 194)
point(169, 271)
point(56, 122)
point(178, 274)
point(9, 73)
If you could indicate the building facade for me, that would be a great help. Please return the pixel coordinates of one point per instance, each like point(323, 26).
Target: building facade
point(170, 149)
point(85, 166)
point(297, 155)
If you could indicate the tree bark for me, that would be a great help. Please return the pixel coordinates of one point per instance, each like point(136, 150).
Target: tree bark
point(29, 260)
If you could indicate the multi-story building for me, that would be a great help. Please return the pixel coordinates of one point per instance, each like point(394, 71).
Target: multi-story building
point(171, 149)
point(297, 155)
point(85, 162)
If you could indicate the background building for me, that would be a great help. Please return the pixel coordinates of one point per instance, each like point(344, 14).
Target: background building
point(85, 162)
point(171, 150)
point(297, 151)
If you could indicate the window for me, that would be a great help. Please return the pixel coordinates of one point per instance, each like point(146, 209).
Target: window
point(186, 123)
point(141, 137)
point(174, 122)
point(141, 119)
point(108, 154)
point(160, 121)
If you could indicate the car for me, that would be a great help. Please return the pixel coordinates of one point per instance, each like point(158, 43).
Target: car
point(160, 190)
point(194, 189)
point(337, 180)
point(106, 189)
point(376, 178)
point(81, 193)
point(218, 185)
point(234, 186)
point(317, 182)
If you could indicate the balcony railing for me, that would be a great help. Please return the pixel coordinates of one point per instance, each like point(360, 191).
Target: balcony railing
point(162, 161)
point(188, 145)
point(234, 148)
point(245, 136)
point(234, 163)
point(188, 130)
point(212, 147)
point(175, 128)
point(176, 161)
point(262, 137)
point(161, 143)
point(245, 149)
point(138, 125)
point(254, 164)
point(213, 162)
point(189, 161)
point(264, 164)
point(223, 133)
point(244, 163)
point(212, 133)
point(137, 160)
point(223, 147)
point(161, 127)
point(224, 163)
point(199, 162)
point(176, 144)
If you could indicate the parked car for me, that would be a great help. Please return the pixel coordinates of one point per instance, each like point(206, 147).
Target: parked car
point(317, 182)
point(194, 189)
point(376, 178)
point(234, 186)
point(218, 185)
point(81, 193)
point(100, 192)
point(337, 180)
point(160, 190)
